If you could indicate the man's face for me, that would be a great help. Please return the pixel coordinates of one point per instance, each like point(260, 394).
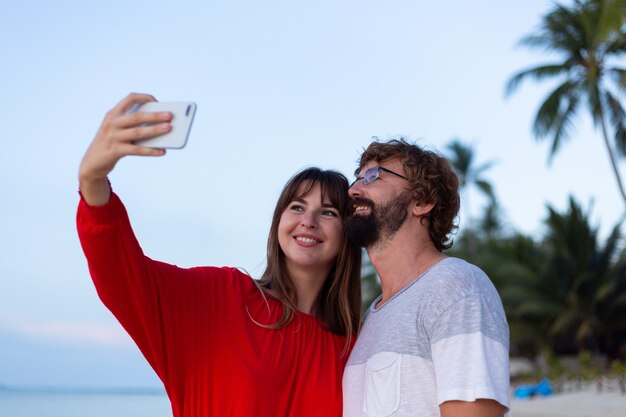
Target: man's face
point(379, 208)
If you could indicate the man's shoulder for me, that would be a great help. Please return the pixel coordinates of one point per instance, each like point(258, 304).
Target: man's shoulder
point(455, 272)
point(452, 280)
point(456, 267)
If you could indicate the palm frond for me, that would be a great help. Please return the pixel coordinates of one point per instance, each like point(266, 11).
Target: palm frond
point(617, 116)
point(610, 21)
point(564, 29)
point(483, 167)
point(490, 221)
point(537, 73)
point(563, 123)
point(607, 253)
point(486, 188)
point(549, 110)
point(594, 99)
point(565, 321)
point(587, 329)
point(605, 291)
point(556, 113)
point(618, 75)
point(461, 158)
point(616, 46)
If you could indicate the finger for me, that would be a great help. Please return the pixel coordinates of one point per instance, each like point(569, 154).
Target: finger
point(143, 132)
point(130, 100)
point(131, 149)
point(139, 118)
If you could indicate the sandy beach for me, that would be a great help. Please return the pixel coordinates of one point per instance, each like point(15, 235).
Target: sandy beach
point(585, 403)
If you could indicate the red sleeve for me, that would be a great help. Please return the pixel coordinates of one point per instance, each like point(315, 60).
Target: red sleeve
point(161, 306)
point(123, 276)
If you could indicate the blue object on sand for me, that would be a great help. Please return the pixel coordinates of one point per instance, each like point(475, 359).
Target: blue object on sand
point(524, 391)
point(543, 388)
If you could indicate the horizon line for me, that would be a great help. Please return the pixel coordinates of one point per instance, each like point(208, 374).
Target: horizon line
point(84, 390)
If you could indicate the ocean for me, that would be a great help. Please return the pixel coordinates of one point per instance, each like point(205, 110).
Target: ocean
point(83, 404)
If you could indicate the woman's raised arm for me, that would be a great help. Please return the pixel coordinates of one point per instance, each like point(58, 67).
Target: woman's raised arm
point(114, 140)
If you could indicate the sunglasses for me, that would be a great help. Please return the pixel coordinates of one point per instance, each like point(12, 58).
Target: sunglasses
point(373, 174)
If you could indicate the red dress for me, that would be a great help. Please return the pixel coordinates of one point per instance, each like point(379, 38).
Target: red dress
point(195, 327)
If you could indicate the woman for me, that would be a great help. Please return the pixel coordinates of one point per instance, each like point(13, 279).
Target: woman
point(222, 343)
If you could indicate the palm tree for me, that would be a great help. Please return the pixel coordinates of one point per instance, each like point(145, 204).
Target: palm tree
point(575, 295)
point(463, 160)
point(595, 280)
point(588, 36)
point(491, 224)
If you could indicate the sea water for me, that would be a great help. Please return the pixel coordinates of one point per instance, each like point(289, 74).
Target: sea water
point(63, 404)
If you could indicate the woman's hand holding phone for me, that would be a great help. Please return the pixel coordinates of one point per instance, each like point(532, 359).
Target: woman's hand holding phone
point(114, 140)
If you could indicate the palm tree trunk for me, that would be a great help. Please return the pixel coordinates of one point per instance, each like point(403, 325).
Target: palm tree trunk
point(472, 245)
point(612, 156)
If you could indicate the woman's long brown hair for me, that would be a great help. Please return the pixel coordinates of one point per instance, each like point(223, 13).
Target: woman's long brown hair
point(338, 304)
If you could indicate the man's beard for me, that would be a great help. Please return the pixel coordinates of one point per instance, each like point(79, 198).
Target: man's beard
point(382, 222)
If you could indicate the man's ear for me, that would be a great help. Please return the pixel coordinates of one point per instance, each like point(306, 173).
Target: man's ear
point(421, 209)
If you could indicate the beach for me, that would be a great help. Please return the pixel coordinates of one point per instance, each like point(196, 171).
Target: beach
point(587, 402)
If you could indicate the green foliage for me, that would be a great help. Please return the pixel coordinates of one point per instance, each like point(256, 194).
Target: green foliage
point(370, 283)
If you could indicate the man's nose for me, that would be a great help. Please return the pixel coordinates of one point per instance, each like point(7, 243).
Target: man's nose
point(355, 189)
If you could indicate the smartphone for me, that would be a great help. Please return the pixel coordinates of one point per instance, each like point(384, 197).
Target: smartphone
point(182, 117)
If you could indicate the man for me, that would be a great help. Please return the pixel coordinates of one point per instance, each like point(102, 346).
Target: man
point(435, 343)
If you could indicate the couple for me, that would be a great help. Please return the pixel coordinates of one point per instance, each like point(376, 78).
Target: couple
point(435, 343)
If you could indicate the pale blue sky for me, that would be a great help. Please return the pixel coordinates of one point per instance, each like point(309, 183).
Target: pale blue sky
point(280, 85)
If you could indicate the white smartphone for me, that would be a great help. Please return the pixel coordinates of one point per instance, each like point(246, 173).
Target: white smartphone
point(183, 114)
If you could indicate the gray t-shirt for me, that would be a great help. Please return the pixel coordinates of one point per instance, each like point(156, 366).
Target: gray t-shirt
point(443, 337)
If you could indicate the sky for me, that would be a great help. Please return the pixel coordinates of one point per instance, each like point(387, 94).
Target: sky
point(280, 86)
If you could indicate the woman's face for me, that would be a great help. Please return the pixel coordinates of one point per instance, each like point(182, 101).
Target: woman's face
point(310, 232)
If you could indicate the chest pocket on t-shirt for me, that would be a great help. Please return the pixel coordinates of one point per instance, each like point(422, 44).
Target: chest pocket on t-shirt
point(382, 384)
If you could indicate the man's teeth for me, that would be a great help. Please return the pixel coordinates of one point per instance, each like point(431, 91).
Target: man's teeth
point(360, 208)
point(305, 239)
